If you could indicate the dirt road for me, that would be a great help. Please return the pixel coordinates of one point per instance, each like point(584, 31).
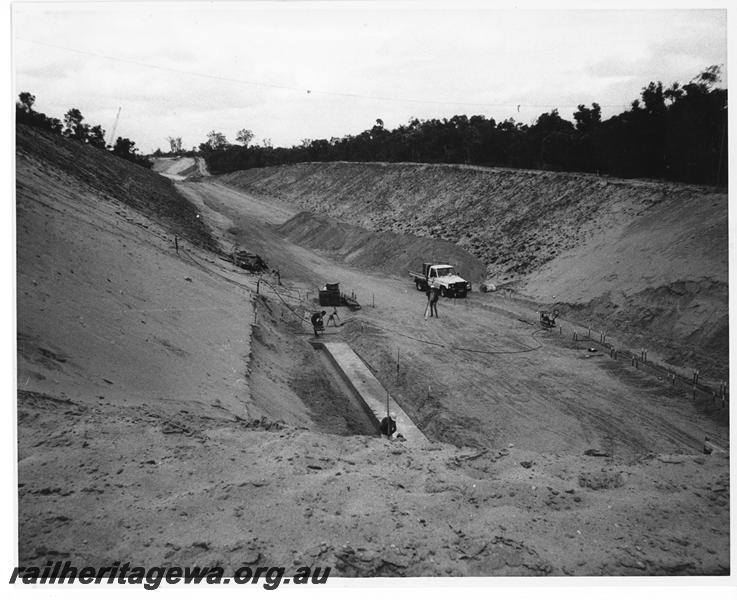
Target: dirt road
point(505, 382)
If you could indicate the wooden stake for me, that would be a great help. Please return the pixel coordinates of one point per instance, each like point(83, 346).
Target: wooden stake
point(388, 418)
point(397, 365)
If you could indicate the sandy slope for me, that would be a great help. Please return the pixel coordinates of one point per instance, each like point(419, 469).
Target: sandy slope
point(119, 339)
point(143, 381)
point(105, 302)
point(109, 177)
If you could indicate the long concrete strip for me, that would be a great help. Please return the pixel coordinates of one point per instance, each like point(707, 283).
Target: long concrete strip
point(370, 391)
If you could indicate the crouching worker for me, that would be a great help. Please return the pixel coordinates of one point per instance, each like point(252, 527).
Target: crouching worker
point(317, 324)
point(388, 425)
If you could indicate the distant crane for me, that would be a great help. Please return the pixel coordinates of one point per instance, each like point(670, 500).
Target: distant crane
point(111, 143)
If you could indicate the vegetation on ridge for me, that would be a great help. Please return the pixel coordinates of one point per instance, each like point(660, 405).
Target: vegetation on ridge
point(75, 128)
point(677, 133)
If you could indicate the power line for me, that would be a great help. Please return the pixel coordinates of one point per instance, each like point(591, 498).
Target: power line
point(310, 91)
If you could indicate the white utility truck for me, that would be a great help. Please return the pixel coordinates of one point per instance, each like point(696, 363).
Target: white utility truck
point(445, 277)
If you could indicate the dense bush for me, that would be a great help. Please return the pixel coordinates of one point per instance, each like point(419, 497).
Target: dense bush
point(678, 133)
point(74, 127)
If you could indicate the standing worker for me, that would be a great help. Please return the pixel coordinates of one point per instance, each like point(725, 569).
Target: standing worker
point(434, 294)
point(317, 322)
point(429, 294)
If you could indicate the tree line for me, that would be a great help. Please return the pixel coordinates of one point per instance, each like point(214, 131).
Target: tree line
point(74, 127)
point(678, 133)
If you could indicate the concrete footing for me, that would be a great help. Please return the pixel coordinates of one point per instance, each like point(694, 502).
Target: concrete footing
point(368, 389)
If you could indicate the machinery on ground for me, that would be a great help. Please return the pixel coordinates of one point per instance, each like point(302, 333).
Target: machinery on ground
point(250, 262)
point(547, 318)
point(330, 295)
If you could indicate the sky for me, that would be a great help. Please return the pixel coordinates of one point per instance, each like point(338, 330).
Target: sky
point(290, 71)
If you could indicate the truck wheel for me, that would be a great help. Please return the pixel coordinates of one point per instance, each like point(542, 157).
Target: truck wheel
point(443, 292)
point(418, 285)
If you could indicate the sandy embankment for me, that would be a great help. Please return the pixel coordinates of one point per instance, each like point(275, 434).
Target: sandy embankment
point(176, 168)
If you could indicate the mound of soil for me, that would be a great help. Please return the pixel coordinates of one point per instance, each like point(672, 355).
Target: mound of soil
point(391, 252)
point(686, 321)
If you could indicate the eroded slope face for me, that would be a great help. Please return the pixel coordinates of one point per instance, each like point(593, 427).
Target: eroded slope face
point(513, 220)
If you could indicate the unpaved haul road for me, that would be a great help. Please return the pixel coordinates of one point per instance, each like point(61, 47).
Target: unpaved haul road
point(512, 384)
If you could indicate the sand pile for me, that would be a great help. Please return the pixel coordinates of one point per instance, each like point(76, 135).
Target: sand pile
point(392, 252)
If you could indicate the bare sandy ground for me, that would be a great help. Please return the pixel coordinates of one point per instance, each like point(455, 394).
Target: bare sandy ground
point(148, 392)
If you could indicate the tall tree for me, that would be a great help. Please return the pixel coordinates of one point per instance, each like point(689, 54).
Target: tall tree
point(216, 140)
point(175, 144)
point(587, 119)
point(96, 136)
point(74, 126)
point(124, 147)
point(25, 102)
point(244, 136)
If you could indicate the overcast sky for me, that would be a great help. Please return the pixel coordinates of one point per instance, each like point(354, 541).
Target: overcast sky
point(294, 70)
